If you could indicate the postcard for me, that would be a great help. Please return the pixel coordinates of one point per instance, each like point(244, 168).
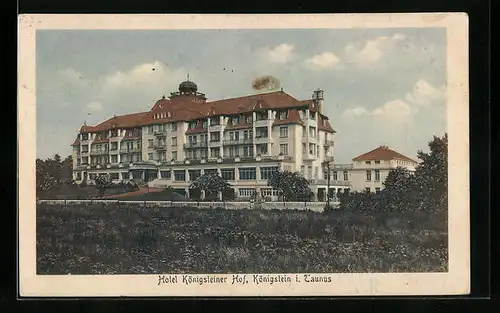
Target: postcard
point(243, 155)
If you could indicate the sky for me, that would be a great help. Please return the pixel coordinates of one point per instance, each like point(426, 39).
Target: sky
point(381, 86)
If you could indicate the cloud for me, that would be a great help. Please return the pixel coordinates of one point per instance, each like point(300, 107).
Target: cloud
point(425, 94)
point(94, 106)
point(354, 112)
point(324, 60)
point(279, 54)
point(372, 50)
point(151, 74)
point(395, 110)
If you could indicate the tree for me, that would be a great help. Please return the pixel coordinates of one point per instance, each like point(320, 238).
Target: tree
point(291, 186)
point(211, 183)
point(102, 183)
point(432, 175)
point(400, 191)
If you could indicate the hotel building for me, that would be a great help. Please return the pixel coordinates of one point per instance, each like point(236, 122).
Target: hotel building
point(242, 139)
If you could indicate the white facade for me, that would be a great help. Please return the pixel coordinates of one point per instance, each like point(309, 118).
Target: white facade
point(160, 153)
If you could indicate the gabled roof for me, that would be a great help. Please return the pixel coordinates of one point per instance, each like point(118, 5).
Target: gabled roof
point(383, 153)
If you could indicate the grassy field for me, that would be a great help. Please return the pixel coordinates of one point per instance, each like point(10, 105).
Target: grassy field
point(129, 239)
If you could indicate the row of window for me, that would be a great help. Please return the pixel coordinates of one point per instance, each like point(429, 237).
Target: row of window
point(377, 189)
point(229, 174)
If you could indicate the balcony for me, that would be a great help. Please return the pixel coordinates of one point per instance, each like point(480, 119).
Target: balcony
point(342, 166)
point(113, 151)
point(234, 142)
point(160, 133)
point(309, 156)
point(328, 143)
point(333, 183)
point(130, 150)
point(309, 139)
point(262, 139)
point(98, 152)
point(160, 147)
point(194, 145)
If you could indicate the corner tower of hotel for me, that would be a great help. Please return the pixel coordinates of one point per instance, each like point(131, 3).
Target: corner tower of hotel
point(243, 139)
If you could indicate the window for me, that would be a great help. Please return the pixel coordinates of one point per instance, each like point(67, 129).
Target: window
point(174, 141)
point(235, 120)
point(192, 125)
point(368, 175)
point(246, 192)
point(247, 173)
point(368, 162)
point(284, 149)
point(174, 155)
point(150, 156)
point(302, 170)
point(114, 133)
point(377, 162)
point(346, 176)
point(227, 173)
point(377, 175)
point(335, 177)
point(249, 119)
point(233, 151)
point(377, 190)
point(150, 143)
point(304, 148)
point(114, 176)
point(283, 115)
point(268, 192)
point(215, 121)
point(114, 159)
point(194, 174)
point(203, 153)
point(367, 189)
point(261, 149)
point(205, 124)
point(78, 175)
point(248, 151)
point(78, 162)
point(310, 171)
point(173, 127)
point(150, 129)
point(284, 132)
point(85, 136)
point(215, 136)
point(287, 168)
point(267, 172)
point(114, 145)
point(316, 172)
point(312, 132)
point(214, 152)
point(180, 175)
point(166, 174)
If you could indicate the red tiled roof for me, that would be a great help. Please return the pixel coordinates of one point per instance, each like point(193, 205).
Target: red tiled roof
point(324, 124)
point(186, 107)
point(119, 121)
point(382, 153)
point(76, 142)
point(292, 118)
point(197, 130)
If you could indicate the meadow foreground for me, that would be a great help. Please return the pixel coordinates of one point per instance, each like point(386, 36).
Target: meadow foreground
point(130, 239)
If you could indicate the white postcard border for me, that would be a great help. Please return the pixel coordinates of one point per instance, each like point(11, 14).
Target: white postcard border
point(455, 281)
